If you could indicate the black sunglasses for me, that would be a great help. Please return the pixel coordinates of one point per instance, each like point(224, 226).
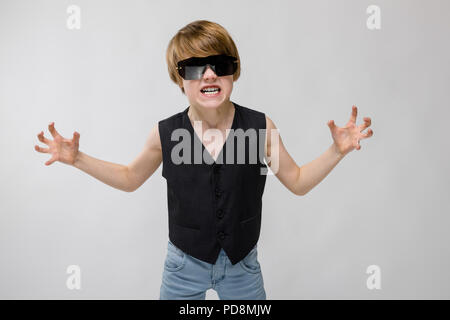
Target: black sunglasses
point(193, 68)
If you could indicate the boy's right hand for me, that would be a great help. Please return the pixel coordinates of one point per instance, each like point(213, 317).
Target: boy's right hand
point(63, 150)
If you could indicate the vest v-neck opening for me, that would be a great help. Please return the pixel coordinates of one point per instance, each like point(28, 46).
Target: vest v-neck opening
point(192, 130)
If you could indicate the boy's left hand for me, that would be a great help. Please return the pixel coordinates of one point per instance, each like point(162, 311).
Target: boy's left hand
point(347, 138)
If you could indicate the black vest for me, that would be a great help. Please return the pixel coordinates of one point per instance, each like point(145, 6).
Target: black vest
point(215, 204)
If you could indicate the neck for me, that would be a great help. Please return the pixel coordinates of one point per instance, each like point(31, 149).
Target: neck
point(212, 117)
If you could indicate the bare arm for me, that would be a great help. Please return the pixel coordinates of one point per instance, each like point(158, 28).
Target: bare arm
point(300, 180)
point(146, 163)
point(113, 174)
point(280, 161)
point(125, 178)
point(131, 177)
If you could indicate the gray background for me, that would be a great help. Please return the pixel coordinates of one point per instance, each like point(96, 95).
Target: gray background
point(386, 204)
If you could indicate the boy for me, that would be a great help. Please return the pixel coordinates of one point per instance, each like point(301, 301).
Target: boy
point(215, 203)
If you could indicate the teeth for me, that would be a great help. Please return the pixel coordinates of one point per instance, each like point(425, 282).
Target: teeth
point(210, 90)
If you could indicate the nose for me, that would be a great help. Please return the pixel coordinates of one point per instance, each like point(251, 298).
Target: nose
point(209, 72)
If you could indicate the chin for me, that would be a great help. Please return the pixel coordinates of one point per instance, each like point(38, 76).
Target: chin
point(211, 102)
point(210, 105)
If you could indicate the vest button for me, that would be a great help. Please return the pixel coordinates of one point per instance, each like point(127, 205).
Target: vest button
point(221, 235)
point(218, 192)
point(220, 213)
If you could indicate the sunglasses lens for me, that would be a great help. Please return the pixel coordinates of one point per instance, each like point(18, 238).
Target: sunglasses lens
point(193, 69)
point(225, 68)
point(193, 72)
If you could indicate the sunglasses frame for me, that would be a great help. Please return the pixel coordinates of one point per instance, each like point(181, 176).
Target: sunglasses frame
point(181, 64)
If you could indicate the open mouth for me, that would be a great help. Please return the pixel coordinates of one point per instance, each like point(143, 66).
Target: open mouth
point(210, 92)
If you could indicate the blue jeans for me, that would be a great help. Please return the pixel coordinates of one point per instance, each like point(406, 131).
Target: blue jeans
point(186, 277)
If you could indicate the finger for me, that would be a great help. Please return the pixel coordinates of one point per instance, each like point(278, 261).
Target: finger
point(368, 134)
point(41, 137)
point(49, 162)
point(51, 128)
point(76, 138)
point(367, 123)
point(354, 114)
point(42, 150)
point(331, 125)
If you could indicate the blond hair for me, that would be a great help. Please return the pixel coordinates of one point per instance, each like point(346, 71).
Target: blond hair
point(200, 38)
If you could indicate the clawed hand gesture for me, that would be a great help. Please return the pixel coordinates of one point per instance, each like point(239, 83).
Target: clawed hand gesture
point(63, 150)
point(347, 138)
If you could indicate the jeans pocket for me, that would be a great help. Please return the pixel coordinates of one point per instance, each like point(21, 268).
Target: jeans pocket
point(175, 259)
point(250, 263)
